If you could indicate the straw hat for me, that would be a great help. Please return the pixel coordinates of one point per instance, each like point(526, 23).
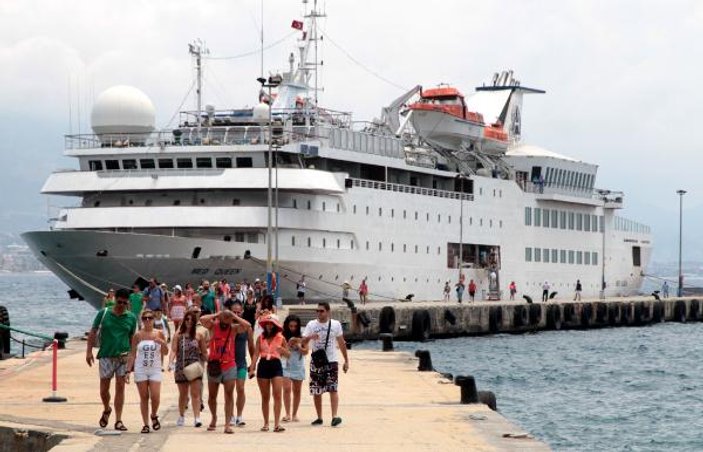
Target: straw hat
point(270, 318)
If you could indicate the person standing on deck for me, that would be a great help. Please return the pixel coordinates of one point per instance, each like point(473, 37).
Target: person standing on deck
point(665, 290)
point(154, 296)
point(579, 288)
point(513, 290)
point(326, 336)
point(447, 291)
point(545, 291)
point(459, 290)
point(472, 290)
point(363, 291)
point(117, 325)
point(300, 287)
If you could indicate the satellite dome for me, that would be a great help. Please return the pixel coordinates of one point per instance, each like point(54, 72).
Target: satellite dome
point(123, 110)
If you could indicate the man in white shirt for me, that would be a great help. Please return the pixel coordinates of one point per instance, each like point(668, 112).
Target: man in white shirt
point(326, 335)
point(545, 291)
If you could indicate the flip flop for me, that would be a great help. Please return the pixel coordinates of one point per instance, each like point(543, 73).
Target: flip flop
point(119, 426)
point(155, 424)
point(285, 419)
point(211, 428)
point(105, 418)
point(228, 430)
point(265, 428)
point(279, 429)
point(145, 429)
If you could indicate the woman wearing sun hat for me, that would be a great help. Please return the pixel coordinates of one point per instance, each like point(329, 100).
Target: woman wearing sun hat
point(270, 348)
point(179, 304)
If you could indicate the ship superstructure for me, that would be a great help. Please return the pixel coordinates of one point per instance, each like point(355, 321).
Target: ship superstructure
point(405, 207)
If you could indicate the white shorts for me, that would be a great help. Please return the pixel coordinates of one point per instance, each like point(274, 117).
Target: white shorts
point(147, 374)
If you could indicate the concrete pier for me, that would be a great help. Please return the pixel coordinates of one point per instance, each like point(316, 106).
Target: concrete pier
point(385, 403)
point(422, 320)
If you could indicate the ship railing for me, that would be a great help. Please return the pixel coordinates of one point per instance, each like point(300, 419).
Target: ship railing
point(412, 189)
point(555, 189)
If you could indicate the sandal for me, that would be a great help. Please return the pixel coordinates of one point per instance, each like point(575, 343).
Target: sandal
point(285, 419)
point(119, 426)
point(279, 429)
point(228, 430)
point(155, 422)
point(211, 428)
point(265, 428)
point(145, 429)
point(105, 418)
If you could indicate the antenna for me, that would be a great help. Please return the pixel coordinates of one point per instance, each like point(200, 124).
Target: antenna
point(78, 103)
point(262, 38)
point(70, 110)
point(197, 49)
point(313, 15)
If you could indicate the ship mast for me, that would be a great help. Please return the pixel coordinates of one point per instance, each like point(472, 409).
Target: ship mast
point(197, 49)
point(314, 36)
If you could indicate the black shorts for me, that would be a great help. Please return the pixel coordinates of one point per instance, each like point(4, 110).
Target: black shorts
point(269, 368)
point(301, 294)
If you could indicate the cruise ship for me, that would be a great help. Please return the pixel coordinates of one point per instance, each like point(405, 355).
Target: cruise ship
point(440, 189)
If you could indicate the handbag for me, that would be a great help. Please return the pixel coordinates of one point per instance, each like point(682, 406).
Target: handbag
point(192, 371)
point(100, 329)
point(214, 366)
point(319, 357)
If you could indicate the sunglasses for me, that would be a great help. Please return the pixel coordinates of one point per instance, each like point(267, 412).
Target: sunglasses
point(321, 310)
point(123, 303)
point(147, 318)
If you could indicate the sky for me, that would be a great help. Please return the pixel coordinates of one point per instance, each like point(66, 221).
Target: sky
point(622, 80)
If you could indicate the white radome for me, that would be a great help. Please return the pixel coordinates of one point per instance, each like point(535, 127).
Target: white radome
point(260, 112)
point(123, 110)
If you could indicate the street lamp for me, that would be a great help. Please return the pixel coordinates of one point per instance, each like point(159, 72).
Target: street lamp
point(461, 178)
point(680, 193)
point(603, 197)
point(262, 114)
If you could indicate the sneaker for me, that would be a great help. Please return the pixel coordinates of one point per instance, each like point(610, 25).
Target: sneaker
point(181, 421)
point(234, 421)
point(317, 422)
point(336, 421)
point(197, 423)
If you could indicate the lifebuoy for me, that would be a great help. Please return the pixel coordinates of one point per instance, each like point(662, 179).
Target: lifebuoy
point(421, 325)
point(386, 320)
point(554, 317)
point(495, 318)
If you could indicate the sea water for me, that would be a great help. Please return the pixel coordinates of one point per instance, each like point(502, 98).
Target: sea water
point(630, 389)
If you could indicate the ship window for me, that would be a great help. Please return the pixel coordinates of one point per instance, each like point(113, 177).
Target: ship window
point(392, 247)
point(555, 218)
point(490, 223)
point(295, 203)
point(545, 218)
point(96, 204)
point(95, 165)
point(252, 237)
point(471, 221)
point(579, 222)
point(538, 254)
point(309, 205)
point(415, 249)
point(324, 205)
point(587, 258)
point(367, 245)
point(594, 223)
point(352, 244)
point(571, 220)
point(439, 218)
point(562, 219)
point(147, 163)
point(555, 256)
point(480, 221)
point(392, 213)
point(176, 202)
point(538, 216)
point(324, 243)
point(236, 202)
point(579, 257)
point(405, 215)
point(223, 162)
point(562, 256)
point(337, 207)
point(545, 255)
point(636, 256)
point(500, 224)
point(367, 210)
point(594, 261)
point(309, 242)
point(112, 164)
point(147, 202)
point(196, 252)
point(571, 256)
point(428, 249)
point(380, 211)
point(439, 250)
point(239, 237)
point(338, 244)
point(380, 247)
point(244, 162)
point(292, 241)
point(129, 164)
point(165, 163)
point(184, 163)
point(203, 162)
point(528, 216)
point(427, 215)
point(354, 209)
point(528, 254)
point(587, 222)
point(405, 247)
point(416, 215)
point(449, 219)
point(228, 238)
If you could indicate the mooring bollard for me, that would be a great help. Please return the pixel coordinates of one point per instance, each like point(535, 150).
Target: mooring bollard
point(387, 340)
point(469, 393)
point(488, 398)
point(425, 364)
point(61, 337)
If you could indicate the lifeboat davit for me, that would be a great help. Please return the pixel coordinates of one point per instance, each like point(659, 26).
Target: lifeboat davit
point(441, 118)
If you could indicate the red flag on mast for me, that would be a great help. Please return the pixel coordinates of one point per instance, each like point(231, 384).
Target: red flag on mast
point(298, 25)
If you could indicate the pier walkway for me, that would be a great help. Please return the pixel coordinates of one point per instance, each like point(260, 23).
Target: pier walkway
point(385, 403)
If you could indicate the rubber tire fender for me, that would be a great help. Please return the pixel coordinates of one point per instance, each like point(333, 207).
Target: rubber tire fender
point(449, 317)
point(680, 311)
point(638, 313)
point(614, 314)
point(421, 325)
point(657, 311)
point(4, 334)
point(695, 310)
point(568, 312)
point(535, 311)
point(386, 320)
point(495, 319)
point(364, 319)
point(601, 313)
point(520, 317)
point(586, 315)
point(554, 317)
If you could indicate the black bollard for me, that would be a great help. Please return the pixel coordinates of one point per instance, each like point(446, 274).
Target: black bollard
point(61, 337)
point(425, 364)
point(488, 398)
point(4, 333)
point(469, 393)
point(387, 340)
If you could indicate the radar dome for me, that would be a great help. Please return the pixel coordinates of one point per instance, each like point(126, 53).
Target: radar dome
point(123, 110)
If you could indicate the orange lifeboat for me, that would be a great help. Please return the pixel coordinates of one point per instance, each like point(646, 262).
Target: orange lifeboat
point(448, 100)
point(495, 132)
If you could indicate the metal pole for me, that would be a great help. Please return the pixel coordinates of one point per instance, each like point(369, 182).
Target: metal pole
point(276, 269)
point(269, 265)
point(602, 277)
point(461, 225)
point(680, 193)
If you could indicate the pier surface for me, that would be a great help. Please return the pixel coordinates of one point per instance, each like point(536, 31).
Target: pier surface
point(385, 403)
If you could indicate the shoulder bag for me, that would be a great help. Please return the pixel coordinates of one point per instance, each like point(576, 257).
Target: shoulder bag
point(100, 329)
point(192, 371)
point(319, 357)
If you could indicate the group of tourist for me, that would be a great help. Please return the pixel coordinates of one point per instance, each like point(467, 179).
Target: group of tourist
point(214, 329)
